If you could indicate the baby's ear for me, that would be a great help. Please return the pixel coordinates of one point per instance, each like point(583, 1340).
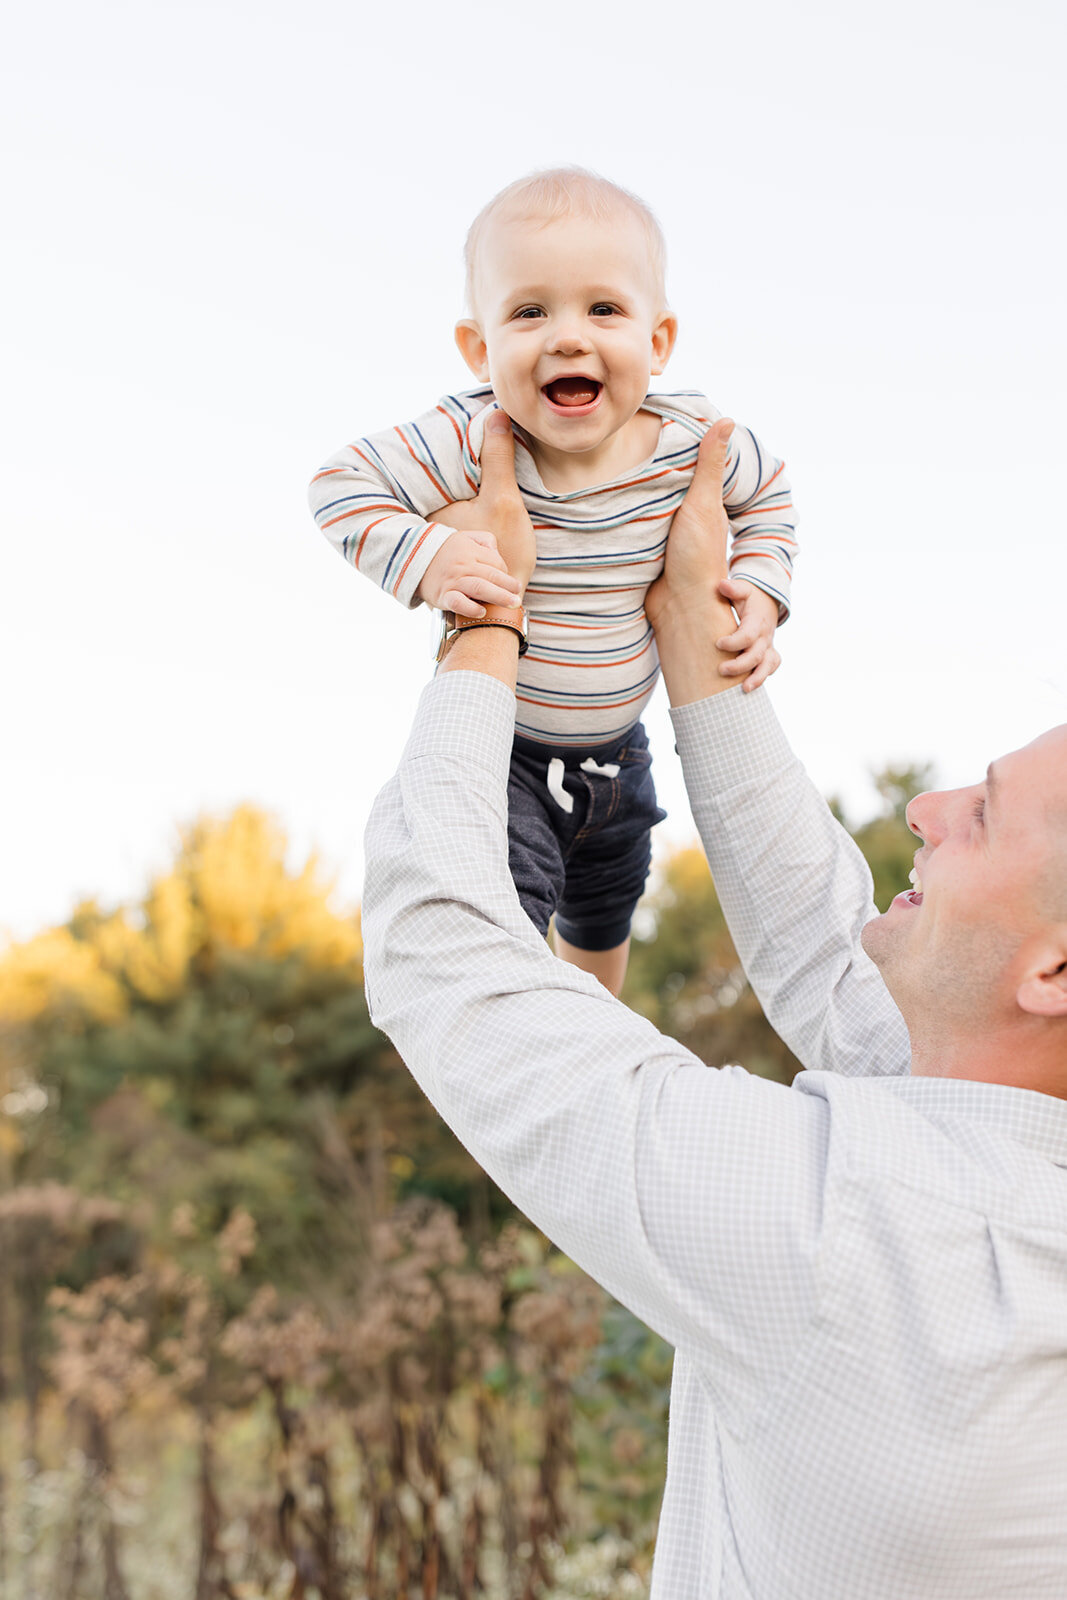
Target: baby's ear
point(472, 348)
point(663, 336)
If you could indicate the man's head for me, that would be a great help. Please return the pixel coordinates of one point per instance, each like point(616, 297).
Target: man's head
point(568, 313)
point(978, 949)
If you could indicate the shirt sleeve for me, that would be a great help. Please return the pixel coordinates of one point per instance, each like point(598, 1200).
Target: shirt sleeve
point(693, 1195)
point(375, 498)
point(793, 885)
point(759, 504)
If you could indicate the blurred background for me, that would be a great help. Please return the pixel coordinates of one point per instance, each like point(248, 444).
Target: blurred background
point(264, 1328)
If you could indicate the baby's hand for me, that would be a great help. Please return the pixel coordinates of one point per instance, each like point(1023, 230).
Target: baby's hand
point(467, 574)
point(752, 644)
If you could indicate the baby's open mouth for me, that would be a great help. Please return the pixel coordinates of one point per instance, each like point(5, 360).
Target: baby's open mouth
point(575, 391)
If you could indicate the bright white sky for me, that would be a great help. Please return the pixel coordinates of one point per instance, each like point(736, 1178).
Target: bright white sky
point(232, 243)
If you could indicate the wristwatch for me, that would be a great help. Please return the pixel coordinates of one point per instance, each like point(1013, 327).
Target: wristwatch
point(513, 617)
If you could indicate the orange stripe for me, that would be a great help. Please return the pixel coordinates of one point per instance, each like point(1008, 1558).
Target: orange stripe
point(363, 539)
point(459, 436)
point(627, 588)
point(582, 627)
point(754, 550)
point(363, 458)
point(411, 557)
point(382, 505)
point(328, 472)
point(455, 424)
point(659, 516)
point(438, 486)
point(764, 538)
point(554, 705)
point(545, 661)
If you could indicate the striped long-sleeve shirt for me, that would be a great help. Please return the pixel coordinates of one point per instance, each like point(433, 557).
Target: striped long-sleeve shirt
point(592, 664)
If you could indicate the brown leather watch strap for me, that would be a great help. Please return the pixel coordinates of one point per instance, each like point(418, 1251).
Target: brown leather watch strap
point(513, 617)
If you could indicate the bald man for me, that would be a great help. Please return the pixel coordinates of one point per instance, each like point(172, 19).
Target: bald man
point(864, 1275)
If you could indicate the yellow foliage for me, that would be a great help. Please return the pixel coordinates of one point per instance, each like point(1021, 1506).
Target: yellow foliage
point(154, 958)
point(236, 871)
point(55, 972)
point(685, 877)
point(229, 888)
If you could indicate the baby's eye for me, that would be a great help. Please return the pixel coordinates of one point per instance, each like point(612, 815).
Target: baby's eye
point(529, 312)
point(603, 309)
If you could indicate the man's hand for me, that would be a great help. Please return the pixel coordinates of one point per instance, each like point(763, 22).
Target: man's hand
point(751, 644)
point(696, 560)
point(468, 572)
point(509, 548)
point(687, 606)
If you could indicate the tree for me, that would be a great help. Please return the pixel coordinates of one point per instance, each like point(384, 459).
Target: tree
point(210, 1046)
point(684, 972)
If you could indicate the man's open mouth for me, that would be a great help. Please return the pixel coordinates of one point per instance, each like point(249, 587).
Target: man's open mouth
point(572, 394)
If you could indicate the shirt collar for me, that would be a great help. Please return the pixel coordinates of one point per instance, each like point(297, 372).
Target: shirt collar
point(1034, 1119)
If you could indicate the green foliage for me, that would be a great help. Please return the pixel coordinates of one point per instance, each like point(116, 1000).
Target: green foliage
point(210, 1047)
point(684, 973)
point(887, 842)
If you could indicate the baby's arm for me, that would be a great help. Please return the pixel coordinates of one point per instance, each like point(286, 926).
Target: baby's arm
point(751, 645)
point(467, 574)
point(759, 504)
point(374, 502)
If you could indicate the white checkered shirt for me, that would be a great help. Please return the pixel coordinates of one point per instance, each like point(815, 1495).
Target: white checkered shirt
point(864, 1276)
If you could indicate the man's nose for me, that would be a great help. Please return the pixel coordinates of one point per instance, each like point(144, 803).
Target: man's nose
point(929, 815)
point(914, 815)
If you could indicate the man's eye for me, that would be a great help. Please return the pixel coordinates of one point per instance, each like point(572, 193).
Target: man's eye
point(978, 809)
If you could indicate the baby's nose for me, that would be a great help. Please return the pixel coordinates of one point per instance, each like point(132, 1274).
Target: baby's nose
point(569, 337)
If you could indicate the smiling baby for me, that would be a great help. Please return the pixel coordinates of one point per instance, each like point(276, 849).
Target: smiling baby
point(568, 320)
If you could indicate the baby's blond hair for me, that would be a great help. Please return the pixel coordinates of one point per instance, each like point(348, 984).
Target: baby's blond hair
point(557, 192)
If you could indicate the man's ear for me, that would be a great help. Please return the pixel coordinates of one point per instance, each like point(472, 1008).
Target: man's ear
point(663, 336)
point(472, 348)
point(1043, 990)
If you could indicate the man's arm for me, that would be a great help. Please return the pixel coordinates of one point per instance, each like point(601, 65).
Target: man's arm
point(793, 885)
point(649, 1169)
point(684, 1191)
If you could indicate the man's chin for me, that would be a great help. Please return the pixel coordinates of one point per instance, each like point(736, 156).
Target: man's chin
point(869, 933)
point(877, 940)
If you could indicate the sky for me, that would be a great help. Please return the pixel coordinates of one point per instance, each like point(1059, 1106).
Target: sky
point(233, 244)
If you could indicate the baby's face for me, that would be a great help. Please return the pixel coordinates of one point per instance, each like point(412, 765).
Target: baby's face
point(569, 327)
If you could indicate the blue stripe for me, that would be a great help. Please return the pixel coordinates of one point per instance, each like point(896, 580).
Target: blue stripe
point(396, 551)
point(541, 512)
point(603, 617)
point(347, 500)
point(688, 454)
point(575, 740)
point(605, 700)
point(429, 452)
point(619, 652)
point(398, 487)
point(621, 558)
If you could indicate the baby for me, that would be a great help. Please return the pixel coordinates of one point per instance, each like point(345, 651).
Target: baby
point(568, 321)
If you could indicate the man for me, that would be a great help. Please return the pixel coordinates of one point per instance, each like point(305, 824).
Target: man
point(864, 1276)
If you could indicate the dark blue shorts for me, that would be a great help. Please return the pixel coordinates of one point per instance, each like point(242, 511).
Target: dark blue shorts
point(578, 835)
